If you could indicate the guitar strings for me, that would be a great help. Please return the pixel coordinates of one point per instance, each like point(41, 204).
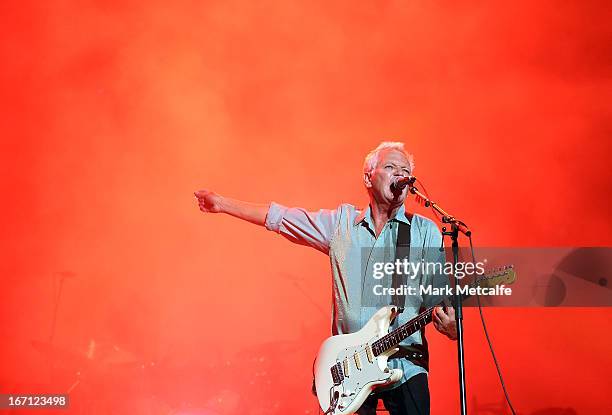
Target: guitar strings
point(422, 316)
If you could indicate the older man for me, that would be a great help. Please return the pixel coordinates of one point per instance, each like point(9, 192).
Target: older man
point(355, 240)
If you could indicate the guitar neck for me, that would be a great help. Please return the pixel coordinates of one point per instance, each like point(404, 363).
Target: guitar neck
point(392, 339)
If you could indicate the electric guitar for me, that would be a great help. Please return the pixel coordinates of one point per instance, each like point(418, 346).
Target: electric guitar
point(349, 367)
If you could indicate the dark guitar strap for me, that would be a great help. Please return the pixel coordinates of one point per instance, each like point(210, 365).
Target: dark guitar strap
point(416, 353)
point(402, 250)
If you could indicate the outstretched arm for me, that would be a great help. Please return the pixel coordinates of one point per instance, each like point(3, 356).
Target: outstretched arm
point(210, 202)
point(300, 226)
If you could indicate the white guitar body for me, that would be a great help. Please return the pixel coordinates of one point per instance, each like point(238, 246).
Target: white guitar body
point(350, 366)
point(361, 372)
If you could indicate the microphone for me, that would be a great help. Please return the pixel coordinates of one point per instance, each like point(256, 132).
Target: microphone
point(399, 184)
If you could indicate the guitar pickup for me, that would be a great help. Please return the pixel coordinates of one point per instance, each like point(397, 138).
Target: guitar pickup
point(357, 360)
point(369, 353)
point(345, 366)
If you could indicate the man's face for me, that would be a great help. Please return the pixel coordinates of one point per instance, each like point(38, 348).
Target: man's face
point(392, 164)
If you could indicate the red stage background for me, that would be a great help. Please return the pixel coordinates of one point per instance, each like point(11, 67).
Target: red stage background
point(114, 112)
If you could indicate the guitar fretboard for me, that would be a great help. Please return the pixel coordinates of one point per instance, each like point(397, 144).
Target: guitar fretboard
point(392, 339)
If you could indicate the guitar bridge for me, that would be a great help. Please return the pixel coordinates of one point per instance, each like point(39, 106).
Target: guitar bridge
point(337, 374)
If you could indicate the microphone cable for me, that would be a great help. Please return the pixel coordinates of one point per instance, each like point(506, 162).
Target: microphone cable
point(482, 319)
point(486, 332)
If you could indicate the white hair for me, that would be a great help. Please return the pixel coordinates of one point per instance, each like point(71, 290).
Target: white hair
point(371, 160)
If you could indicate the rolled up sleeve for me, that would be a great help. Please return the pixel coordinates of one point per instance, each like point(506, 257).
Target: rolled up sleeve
point(274, 217)
point(314, 229)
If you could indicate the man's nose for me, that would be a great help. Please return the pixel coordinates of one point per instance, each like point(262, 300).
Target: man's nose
point(399, 171)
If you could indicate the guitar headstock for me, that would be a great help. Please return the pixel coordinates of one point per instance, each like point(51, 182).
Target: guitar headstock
point(498, 276)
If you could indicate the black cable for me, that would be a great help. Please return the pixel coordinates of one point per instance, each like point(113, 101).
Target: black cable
point(486, 332)
point(484, 325)
point(435, 212)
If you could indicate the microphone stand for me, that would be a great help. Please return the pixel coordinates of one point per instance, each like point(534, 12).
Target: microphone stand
point(456, 227)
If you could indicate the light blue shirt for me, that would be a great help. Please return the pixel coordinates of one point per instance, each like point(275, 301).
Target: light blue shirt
point(347, 235)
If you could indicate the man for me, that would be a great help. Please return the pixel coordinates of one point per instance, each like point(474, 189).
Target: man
point(354, 241)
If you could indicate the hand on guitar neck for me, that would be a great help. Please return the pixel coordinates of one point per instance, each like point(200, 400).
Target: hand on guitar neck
point(444, 321)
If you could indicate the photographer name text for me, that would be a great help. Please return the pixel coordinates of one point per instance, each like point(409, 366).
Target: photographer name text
point(442, 291)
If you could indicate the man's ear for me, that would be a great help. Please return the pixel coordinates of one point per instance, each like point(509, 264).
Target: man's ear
point(367, 179)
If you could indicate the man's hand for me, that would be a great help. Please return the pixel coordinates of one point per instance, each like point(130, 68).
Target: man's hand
point(445, 322)
point(209, 202)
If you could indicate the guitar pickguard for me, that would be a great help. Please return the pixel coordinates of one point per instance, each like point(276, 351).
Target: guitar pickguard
point(358, 372)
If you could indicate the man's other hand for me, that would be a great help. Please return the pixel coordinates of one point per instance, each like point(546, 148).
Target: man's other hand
point(444, 322)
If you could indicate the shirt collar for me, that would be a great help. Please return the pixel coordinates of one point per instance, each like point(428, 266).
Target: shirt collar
point(366, 216)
